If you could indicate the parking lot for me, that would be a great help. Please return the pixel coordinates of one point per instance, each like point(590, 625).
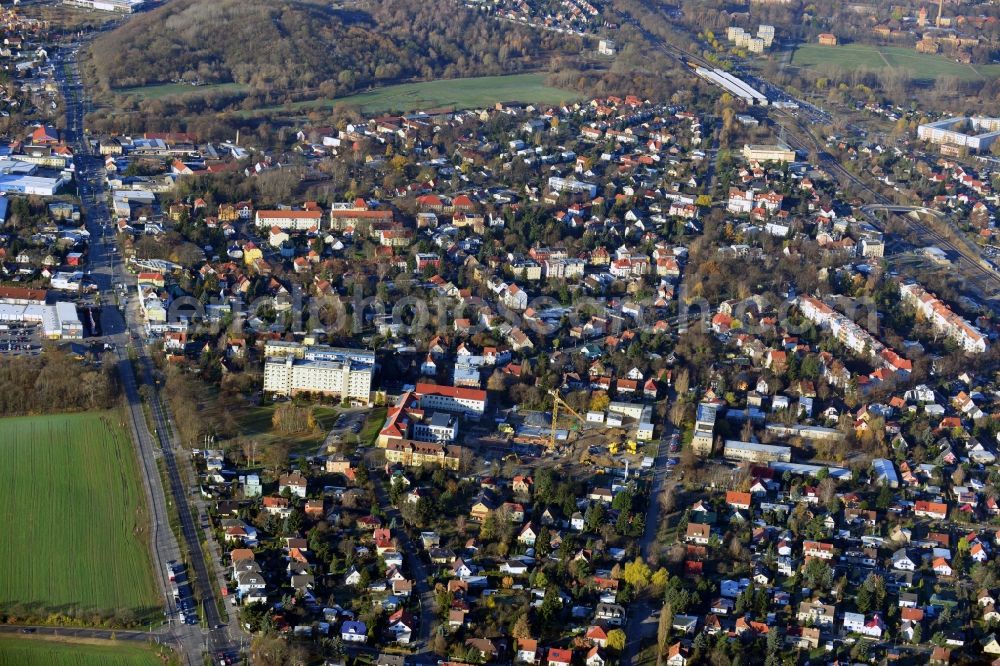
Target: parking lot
point(186, 609)
point(348, 423)
point(20, 339)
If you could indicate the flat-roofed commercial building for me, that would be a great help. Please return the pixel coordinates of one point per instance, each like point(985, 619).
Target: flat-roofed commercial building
point(59, 320)
point(342, 354)
point(977, 133)
point(37, 185)
point(768, 153)
point(704, 428)
point(756, 453)
point(295, 220)
point(282, 348)
point(802, 469)
point(437, 427)
point(122, 6)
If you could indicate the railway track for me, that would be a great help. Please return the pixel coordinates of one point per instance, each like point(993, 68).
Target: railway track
point(985, 280)
point(990, 279)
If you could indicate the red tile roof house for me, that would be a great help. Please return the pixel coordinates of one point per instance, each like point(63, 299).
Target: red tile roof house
point(559, 657)
point(45, 134)
point(936, 510)
point(277, 505)
point(697, 533)
point(677, 654)
point(527, 651)
point(597, 635)
point(817, 549)
point(738, 500)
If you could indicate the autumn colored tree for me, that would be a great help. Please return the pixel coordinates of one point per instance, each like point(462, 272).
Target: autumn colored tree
point(637, 574)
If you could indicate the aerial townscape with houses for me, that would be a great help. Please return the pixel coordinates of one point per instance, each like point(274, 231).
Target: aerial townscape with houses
point(536, 332)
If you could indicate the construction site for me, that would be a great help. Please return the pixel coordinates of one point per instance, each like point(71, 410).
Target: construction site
point(611, 438)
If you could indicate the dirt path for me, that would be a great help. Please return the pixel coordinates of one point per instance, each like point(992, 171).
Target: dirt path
point(973, 68)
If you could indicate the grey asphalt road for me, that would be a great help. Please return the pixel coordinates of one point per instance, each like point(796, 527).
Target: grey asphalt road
point(107, 271)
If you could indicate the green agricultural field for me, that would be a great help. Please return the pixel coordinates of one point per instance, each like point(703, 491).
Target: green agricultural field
point(180, 90)
point(38, 652)
point(454, 93)
point(75, 522)
point(920, 66)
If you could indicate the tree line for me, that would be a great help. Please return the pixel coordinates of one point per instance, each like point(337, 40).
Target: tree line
point(287, 46)
point(55, 381)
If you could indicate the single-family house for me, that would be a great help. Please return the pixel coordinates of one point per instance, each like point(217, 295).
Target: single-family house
point(354, 631)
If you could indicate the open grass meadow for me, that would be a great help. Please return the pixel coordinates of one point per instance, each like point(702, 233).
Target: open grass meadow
point(75, 521)
point(40, 652)
point(920, 66)
point(467, 93)
point(373, 424)
point(256, 424)
point(162, 90)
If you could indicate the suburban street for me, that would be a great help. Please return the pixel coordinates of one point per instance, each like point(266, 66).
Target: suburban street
point(641, 612)
point(416, 564)
point(123, 334)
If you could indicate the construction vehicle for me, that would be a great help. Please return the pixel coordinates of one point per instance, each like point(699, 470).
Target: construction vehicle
point(630, 446)
point(557, 401)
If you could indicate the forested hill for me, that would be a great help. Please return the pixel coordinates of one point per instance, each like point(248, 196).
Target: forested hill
point(282, 45)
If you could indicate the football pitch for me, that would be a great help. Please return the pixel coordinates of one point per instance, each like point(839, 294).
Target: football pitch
point(920, 66)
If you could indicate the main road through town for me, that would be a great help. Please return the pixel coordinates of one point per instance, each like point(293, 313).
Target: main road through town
point(164, 471)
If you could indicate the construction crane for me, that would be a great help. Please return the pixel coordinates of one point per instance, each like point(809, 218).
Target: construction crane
point(556, 402)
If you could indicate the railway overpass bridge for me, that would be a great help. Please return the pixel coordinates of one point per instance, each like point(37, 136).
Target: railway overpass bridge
point(888, 208)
